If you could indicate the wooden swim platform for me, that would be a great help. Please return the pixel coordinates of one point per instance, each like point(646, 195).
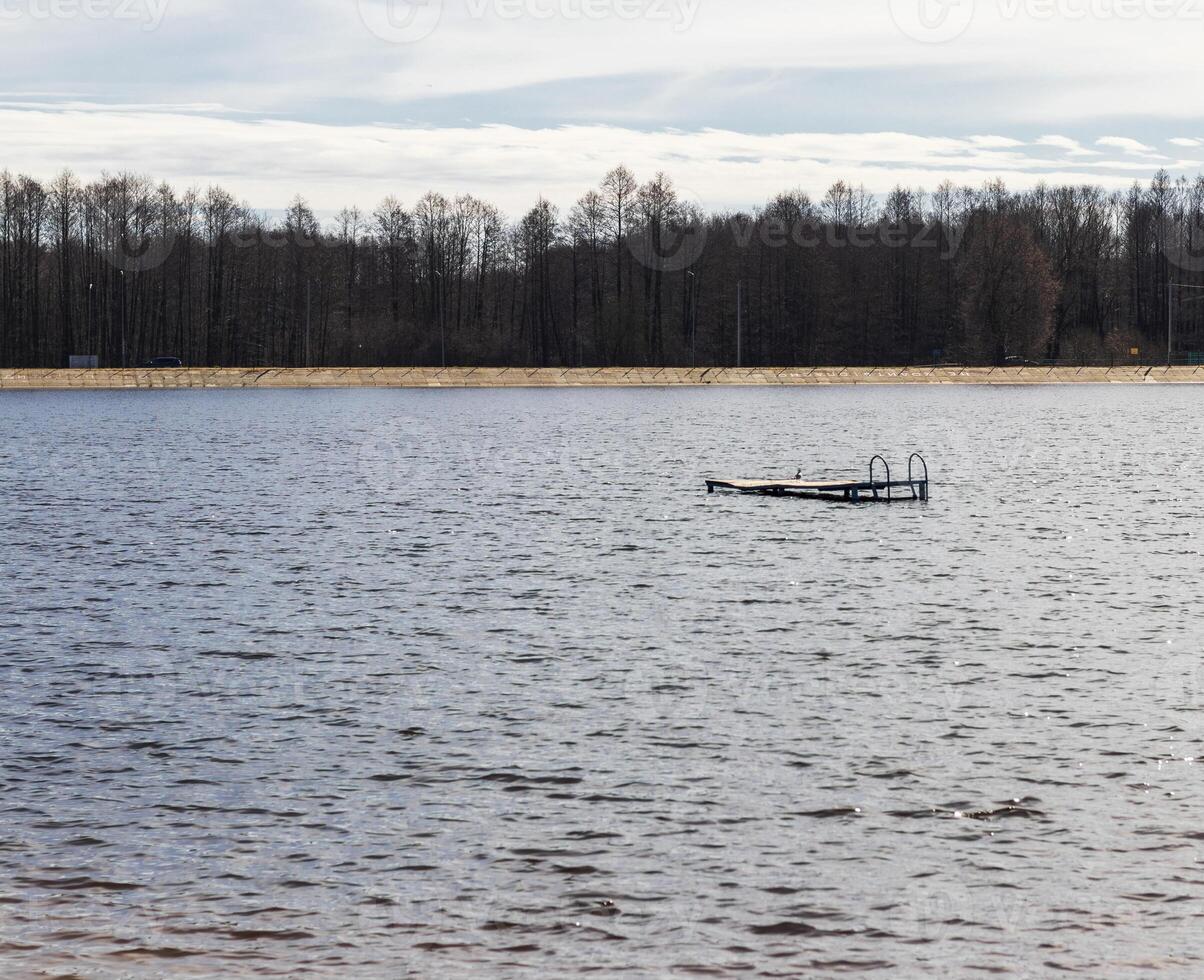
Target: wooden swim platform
point(854, 491)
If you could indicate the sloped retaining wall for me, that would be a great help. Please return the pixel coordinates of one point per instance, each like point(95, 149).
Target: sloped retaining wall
point(32, 378)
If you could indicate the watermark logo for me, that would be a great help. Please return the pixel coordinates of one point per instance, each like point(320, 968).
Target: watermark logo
point(1183, 247)
point(134, 249)
point(676, 239)
point(668, 249)
point(384, 457)
point(932, 21)
point(401, 21)
point(139, 253)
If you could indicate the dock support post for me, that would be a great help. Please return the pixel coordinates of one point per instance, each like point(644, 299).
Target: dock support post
point(855, 495)
point(710, 487)
point(924, 491)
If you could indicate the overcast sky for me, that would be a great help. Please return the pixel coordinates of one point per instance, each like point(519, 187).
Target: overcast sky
point(345, 101)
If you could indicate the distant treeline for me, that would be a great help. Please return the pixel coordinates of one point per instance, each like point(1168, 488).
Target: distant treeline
point(631, 275)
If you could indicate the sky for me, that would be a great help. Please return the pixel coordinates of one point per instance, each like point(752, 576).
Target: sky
point(347, 101)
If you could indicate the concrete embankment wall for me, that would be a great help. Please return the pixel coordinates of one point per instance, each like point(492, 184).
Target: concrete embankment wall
point(137, 378)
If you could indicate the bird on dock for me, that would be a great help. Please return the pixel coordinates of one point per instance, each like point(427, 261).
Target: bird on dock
point(799, 474)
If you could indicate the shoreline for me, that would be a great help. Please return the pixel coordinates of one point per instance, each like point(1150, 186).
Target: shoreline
point(41, 379)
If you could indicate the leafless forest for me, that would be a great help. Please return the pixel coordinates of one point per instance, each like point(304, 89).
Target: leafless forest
point(632, 274)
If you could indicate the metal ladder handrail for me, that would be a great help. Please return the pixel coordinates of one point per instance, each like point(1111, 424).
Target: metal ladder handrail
point(912, 481)
point(873, 486)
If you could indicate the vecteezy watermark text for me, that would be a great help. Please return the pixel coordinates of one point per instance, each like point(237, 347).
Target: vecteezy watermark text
point(409, 21)
point(678, 249)
point(778, 233)
point(679, 13)
point(939, 21)
point(148, 13)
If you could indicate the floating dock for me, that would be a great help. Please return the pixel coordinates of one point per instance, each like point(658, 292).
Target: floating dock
point(854, 491)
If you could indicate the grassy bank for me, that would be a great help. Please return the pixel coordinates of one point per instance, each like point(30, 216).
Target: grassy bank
point(36, 378)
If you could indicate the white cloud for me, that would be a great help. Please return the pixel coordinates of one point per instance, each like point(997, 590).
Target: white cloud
point(1067, 145)
point(273, 55)
point(192, 98)
point(266, 162)
point(996, 142)
point(468, 54)
point(204, 108)
point(1126, 145)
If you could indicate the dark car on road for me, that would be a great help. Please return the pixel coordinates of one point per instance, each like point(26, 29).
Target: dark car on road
point(164, 362)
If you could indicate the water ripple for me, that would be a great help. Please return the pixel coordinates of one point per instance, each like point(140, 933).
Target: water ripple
point(461, 684)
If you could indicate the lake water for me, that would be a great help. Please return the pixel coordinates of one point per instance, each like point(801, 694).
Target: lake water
point(483, 684)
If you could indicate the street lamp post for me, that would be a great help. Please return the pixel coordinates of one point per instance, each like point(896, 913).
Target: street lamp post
point(739, 317)
point(442, 332)
point(693, 319)
point(123, 363)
